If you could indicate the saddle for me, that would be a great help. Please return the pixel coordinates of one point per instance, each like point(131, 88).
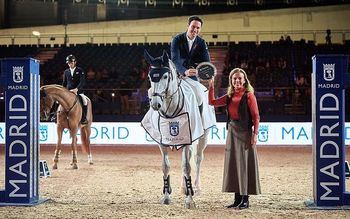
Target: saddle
point(80, 98)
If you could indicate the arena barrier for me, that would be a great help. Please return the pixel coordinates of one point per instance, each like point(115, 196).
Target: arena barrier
point(329, 80)
point(20, 77)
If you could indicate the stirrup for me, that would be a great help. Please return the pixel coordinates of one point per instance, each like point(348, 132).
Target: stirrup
point(53, 118)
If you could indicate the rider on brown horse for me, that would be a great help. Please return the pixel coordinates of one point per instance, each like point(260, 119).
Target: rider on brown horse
point(73, 80)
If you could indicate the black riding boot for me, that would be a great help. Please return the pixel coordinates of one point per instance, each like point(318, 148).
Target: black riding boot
point(83, 116)
point(245, 202)
point(237, 201)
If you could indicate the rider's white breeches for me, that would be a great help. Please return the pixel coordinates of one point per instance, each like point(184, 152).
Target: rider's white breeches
point(84, 99)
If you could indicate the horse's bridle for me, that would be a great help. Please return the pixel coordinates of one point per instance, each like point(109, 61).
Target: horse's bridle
point(166, 96)
point(43, 94)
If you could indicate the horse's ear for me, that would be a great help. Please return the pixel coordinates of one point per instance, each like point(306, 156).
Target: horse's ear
point(149, 59)
point(165, 57)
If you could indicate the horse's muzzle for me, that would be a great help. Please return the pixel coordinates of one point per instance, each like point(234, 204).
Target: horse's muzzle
point(155, 106)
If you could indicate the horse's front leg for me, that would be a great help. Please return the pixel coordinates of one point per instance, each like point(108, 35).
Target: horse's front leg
point(186, 169)
point(58, 147)
point(73, 133)
point(166, 177)
point(198, 158)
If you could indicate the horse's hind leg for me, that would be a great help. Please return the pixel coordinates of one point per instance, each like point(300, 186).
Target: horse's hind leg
point(74, 149)
point(85, 140)
point(58, 148)
point(198, 158)
point(166, 177)
point(186, 168)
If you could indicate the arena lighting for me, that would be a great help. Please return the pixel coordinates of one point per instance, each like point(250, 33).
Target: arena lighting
point(232, 2)
point(123, 2)
point(178, 2)
point(203, 2)
point(36, 33)
point(150, 3)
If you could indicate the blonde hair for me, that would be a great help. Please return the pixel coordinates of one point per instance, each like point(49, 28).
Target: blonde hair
point(247, 85)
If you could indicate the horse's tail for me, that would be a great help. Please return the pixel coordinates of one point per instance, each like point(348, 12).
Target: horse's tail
point(85, 140)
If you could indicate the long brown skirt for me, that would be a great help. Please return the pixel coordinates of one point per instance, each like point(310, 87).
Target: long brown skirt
point(241, 171)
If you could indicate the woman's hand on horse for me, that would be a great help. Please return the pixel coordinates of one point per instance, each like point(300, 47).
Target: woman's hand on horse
point(75, 91)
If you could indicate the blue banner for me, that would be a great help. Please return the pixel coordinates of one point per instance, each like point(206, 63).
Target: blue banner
point(329, 79)
point(22, 128)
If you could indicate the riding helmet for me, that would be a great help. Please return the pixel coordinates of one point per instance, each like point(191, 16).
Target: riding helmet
point(70, 58)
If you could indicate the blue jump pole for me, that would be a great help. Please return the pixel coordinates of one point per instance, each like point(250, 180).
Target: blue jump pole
point(329, 80)
point(21, 79)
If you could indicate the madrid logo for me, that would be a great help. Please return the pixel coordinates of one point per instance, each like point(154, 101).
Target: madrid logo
point(43, 133)
point(328, 72)
point(174, 128)
point(263, 135)
point(17, 74)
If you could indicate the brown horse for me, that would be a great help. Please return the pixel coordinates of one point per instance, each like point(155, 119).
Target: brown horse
point(68, 116)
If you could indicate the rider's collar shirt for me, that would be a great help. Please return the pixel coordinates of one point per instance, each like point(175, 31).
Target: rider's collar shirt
point(190, 42)
point(72, 71)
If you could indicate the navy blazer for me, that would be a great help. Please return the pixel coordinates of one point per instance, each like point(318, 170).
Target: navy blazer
point(185, 59)
point(77, 81)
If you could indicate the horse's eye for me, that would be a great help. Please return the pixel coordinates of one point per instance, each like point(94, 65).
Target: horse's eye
point(165, 76)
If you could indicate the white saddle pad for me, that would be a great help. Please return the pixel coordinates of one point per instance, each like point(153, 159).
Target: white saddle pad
point(187, 126)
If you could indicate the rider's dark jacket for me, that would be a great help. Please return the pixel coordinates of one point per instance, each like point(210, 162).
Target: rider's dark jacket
point(75, 81)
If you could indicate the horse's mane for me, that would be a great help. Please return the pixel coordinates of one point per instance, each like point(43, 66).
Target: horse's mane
point(55, 88)
point(172, 67)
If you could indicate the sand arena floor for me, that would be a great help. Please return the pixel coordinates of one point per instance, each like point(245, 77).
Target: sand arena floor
point(126, 182)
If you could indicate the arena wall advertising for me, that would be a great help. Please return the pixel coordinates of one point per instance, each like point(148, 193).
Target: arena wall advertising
point(125, 133)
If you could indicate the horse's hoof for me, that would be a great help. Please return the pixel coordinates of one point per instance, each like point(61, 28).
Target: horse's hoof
point(74, 166)
point(183, 190)
point(91, 163)
point(197, 191)
point(165, 201)
point(190, 205)
point(54, 167)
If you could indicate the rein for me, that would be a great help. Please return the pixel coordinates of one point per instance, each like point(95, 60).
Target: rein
point(65, 111)
point(171, 100)
point(75, 102)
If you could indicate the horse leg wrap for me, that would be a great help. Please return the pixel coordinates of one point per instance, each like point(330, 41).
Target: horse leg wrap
point(57, 155)
point(167, 187)
point(189, 189)
point(75, 160)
